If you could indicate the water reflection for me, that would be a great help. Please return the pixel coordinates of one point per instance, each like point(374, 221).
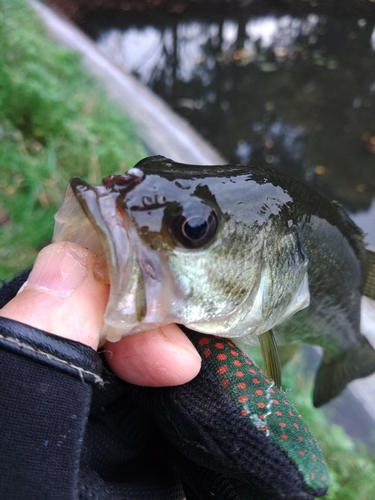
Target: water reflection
point(294, 93)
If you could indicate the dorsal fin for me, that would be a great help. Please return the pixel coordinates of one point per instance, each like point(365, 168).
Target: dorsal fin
point(369, 288)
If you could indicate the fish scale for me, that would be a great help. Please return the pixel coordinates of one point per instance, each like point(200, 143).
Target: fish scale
point(233, 250)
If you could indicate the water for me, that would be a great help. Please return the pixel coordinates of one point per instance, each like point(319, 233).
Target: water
point(290, 91)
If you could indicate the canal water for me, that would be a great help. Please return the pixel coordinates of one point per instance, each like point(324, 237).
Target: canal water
point(291, 91)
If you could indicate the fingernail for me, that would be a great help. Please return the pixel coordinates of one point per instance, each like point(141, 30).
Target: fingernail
point(59, 270)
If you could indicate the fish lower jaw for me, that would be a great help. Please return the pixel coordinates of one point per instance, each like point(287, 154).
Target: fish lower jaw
point(116, 333)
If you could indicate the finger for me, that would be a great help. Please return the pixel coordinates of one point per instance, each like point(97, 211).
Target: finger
point(61, 295)
point(160, 357)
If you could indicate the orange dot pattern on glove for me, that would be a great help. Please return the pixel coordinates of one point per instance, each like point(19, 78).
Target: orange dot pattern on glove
point(265, 406)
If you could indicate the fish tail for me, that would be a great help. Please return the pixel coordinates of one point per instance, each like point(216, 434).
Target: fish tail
point(334, 374)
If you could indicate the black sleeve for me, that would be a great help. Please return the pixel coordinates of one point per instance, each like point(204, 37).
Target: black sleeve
point(66, 435)
point(45, 389)
point(65, 432)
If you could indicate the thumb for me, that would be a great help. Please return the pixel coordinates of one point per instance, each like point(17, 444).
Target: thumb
point(62, 296)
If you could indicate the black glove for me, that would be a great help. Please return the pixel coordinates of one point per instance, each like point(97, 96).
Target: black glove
point(71, 429)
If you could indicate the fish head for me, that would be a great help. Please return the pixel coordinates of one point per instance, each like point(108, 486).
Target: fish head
point(178, 250)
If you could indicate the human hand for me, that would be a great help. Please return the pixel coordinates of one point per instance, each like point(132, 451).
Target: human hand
point(62, 297)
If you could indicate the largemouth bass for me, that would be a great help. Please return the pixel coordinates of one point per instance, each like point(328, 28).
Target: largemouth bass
point(234, 251)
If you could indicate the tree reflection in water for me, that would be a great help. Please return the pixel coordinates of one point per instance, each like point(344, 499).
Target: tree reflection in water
point(293, 93)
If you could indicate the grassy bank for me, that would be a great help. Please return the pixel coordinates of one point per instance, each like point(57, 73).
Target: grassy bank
point(351, 465)
point(54, 123)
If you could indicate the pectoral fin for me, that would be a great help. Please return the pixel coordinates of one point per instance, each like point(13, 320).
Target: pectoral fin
point(369, 289)
point(270, 355)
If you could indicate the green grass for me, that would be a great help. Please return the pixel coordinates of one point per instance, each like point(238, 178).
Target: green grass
point(351, 464)
point(55, 122)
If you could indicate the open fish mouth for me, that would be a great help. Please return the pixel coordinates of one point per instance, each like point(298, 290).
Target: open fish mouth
point(94, 217)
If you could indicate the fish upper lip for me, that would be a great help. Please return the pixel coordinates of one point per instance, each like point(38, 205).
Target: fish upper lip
point(127, 301)
point(134, 269)
point(92, 201)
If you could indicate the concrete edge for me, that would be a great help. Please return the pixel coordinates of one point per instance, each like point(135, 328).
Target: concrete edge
point(162, 131)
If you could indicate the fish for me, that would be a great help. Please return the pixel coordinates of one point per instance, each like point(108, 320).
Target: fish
point(235, 251)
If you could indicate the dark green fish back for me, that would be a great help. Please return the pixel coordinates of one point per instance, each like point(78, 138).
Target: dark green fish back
point(311, 202)
point(306, 201)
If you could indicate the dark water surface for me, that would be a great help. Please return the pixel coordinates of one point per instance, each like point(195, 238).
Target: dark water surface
point(293, 92)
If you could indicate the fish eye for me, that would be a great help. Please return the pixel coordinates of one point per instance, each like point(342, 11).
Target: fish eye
point(195, 226)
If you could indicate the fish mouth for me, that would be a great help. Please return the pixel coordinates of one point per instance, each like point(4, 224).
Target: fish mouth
point(94, 217)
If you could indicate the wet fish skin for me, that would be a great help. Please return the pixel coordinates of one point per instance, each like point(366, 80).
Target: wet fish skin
point(169, 279)
point(250, 275)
